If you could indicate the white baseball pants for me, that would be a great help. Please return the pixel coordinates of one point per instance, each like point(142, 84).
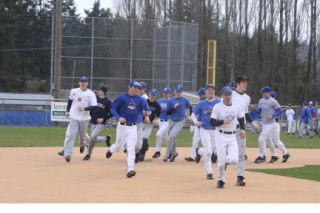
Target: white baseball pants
point(162, 134)
point(208, 147)
point(139, 137)
point(126, 135)
point(241, 152)
point(290, 126)
point(227, 152)
point(195, 142)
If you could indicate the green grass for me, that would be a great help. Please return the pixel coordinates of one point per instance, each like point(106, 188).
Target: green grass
point(12, 136)
point(308, 172)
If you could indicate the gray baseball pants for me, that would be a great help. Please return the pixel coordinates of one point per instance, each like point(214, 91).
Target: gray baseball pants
point(74, 127)
point(94, 137)
point(304, 127)
point(241, 165)
point(174, 127)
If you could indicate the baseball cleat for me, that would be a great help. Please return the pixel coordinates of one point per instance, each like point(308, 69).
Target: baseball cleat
point(87, 157)
point(260, 159)
point(209, 176)
point(213, 158)
point(156, 155)
point(220, 184)
point(190, 159)
point(198, 157)
point(108, 139)
point(273, 159)
point(125, 151)
point(67, 158)
point(240, 181)
point(173, 157)
point(136, 160)
point(285, 157)
point(61, 153)
point(81, 149)
point(131, 173)
point(165, 160)
point(108, 154)
point(245, 157)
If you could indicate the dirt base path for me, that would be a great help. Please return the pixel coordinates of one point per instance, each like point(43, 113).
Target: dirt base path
point(39, 175)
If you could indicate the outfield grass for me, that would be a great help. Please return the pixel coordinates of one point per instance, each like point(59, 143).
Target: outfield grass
point(308, 172)
point(12, 136)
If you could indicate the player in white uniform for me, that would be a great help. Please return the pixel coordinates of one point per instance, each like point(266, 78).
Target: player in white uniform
point(196, 134)
point(289, 114)
point(243, 100)
point(207, 132)
point(225, 116)
point(79, 99)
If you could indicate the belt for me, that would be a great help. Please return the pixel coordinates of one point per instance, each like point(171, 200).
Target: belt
point(162, 120)
point(128, 124)
point(228, 133)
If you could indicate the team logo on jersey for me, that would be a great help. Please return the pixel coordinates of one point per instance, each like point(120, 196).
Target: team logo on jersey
point(208, 111)
point(100, 105)
point(163, 106)
point(132, 105)
point(231, 117)
point(79, 99)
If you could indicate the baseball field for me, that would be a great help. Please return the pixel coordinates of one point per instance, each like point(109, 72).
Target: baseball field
point(32, 172)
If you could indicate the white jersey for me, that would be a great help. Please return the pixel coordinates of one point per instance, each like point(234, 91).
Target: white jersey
point(145, 96)
point(243, 100)
point(289, 114)
point(221, 111)
point(83, 99)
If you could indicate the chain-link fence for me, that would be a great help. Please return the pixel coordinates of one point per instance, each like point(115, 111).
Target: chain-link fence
point(114, 51)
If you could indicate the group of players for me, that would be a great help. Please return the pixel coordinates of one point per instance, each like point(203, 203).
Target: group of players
point(220, 124)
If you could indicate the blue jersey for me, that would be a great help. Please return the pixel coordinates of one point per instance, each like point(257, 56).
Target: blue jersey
point(180, 112)
point(128, 107)
point(163, 104)
point(254, 114)
point(305, 115)
point(204, 110)
point(312, 111)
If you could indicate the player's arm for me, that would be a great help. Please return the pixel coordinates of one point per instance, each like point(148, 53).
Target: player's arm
point(114, 108)
point(108, 110)
point(170, 109)
point(189, 105)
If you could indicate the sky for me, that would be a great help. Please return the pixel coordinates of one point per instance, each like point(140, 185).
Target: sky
point(87, 4)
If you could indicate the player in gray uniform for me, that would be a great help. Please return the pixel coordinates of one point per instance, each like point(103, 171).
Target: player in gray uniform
point(269, 109)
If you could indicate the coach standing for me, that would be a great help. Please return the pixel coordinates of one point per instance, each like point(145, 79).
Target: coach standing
point(126, 108)
point(79, 98)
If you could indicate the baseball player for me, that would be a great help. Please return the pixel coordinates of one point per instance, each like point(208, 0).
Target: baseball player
point(143, 90)
point(79, 99)
point(196, 134)
point(207, 132)
point(232, 85)
point(153, 118)
point(126, 108)
point(162, 133)
point(290, 114)
point(269, 109)
point(225, 116)
point(176, 109)
point(99, 115)
point(243, 100)
point(254, 115)
point(313, 113)
point(305, 119)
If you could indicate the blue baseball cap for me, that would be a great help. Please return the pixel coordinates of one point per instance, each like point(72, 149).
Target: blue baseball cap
point(210, 85)
point(273, 94)
point(265, 89)
point(153, 91)
point(305, 103)
point(166, 90)
point(226, 89)
point(83, 78)
point(232, 84)
point(143, 85)
point(179, 88)
point(201, 92)
point(134, 83)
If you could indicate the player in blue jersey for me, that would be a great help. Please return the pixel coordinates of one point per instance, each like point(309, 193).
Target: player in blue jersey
point(126, 108)
point(305, 119)
point(207, 132)
point(176, 108)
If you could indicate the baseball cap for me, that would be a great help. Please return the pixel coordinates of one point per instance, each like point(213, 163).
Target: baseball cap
point(265, 89)
point(153, 91)
point(305, 103)
point(289, 105)
point(143, 85)
point(273, 94)
point(201, 91)
point(232, 84)
point(310, 103)
point(210, 85)
point(166, 90)
point(226, 89)
point(179, 88)
point(83, 78)
point(134, 83)
point(103, 88)
point(241, 78)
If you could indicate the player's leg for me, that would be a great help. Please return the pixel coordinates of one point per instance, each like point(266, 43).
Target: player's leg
point(170, 141)
point(213, 146)
point(241, 158)
point(139, 137)
point(289, 123)
point(221, 153)
point(131, 140)
point(121, 134)
point(195, 144)
point(162, 134)
point(206, 151)
point(147, 129)
point(265, 134)
point(95, 131)
point(173, 135)
point(71, 134)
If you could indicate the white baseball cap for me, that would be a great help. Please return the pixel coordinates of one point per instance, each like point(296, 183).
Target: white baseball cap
point(310, 102)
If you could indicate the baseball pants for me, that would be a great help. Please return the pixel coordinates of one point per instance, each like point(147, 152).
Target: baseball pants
point(227, 152)
point(208, 147)
point(74, 127)
point(146, 130)
point(304, 128)
point(126, 135)
point(264, 138)
point(195, 142)
point(290, 126)
point(94, 137)
point(319, 126)
point(174, 127)
point(241, 152)
point(162, 134)
point(139, 137)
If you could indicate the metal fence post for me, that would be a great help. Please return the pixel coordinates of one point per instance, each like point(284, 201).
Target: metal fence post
point(131, 48)
point(153, 54)
point(52, 53)
point(196, 61)
point(92, 49)
point(182, 54)
point(169, 55)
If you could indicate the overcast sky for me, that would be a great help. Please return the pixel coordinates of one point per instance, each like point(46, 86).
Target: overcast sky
point(88, 4)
